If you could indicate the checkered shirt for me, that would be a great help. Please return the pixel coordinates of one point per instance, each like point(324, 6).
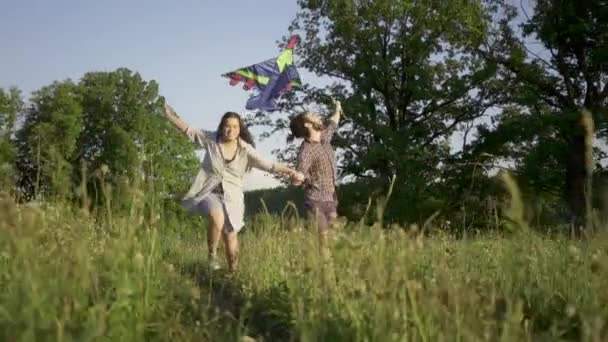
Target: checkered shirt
point(317, 161)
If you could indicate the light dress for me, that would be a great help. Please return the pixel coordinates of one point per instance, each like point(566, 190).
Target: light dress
point(216, 171)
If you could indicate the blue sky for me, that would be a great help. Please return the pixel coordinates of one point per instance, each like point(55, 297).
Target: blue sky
point(184, 46)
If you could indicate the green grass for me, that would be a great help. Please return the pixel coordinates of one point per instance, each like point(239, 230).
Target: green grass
point(65, 277)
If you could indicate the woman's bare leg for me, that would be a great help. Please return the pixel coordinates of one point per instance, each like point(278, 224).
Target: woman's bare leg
point(214, 231)
point(232, 250)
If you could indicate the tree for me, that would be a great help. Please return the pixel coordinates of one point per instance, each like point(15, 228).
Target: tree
point(10, 105)
point(551, 83)
point(125, 131)
point(48, 138)
point(110, 122)
point(409, 75)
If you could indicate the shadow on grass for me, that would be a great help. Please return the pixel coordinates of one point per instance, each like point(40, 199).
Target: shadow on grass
point(264, 314)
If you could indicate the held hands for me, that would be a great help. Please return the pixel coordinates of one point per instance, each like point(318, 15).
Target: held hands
point(297, 177)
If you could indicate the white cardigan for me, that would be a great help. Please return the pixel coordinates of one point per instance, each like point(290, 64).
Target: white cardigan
point(214, 171)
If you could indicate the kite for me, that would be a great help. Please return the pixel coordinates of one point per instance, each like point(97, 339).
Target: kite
point(270, 78)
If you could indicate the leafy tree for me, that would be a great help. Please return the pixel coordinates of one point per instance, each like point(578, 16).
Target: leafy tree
point(554, 65)
point(11, 105)
point(110, 122)
point(410, 76)
point(125, 130)
point(47, 141)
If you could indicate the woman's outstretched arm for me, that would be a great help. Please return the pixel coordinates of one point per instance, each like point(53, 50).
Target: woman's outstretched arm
point(264, 164)
point(172, 116)
point(197, 136)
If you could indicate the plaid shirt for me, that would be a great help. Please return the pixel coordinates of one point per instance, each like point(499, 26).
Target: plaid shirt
point(317, 161)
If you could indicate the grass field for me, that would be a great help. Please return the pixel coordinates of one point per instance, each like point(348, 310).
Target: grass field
point(66, 277)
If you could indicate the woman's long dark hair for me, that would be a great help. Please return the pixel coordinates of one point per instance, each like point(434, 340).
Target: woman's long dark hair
point(244, 131)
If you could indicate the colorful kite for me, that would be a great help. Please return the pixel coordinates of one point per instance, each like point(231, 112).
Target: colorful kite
point(270, 78)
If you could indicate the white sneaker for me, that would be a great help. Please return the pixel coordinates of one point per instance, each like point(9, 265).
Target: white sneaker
point(214, 265)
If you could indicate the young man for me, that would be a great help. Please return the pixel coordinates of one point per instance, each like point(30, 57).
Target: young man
point(317, 164)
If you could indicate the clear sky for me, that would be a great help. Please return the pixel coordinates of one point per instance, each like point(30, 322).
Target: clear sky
point(184, 45)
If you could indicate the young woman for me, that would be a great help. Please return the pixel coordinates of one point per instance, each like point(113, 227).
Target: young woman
point(217, 190)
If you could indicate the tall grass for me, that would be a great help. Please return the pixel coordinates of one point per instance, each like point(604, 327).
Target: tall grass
point(137, 275)
point(65, 277)
point(395, 286)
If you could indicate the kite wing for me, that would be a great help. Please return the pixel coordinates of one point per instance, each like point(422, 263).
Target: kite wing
point(270, 78)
